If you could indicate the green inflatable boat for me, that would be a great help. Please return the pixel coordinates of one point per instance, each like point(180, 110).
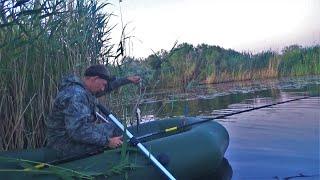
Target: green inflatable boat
point(194, 152)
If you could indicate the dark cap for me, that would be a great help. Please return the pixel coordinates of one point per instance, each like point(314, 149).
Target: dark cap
point(99, 70)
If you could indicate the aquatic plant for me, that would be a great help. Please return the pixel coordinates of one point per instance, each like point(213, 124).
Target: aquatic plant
point(187, 64)
point(40, 41)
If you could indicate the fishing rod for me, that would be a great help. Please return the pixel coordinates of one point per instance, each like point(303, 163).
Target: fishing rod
point(134, 141)
point(176, 128)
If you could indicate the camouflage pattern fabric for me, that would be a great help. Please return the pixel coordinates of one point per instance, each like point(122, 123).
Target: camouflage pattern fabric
point(72, 127)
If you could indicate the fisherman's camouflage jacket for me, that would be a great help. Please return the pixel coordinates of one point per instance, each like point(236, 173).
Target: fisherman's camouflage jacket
point(72, 127)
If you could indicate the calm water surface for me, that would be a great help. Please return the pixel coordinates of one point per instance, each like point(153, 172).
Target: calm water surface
point(279, 142)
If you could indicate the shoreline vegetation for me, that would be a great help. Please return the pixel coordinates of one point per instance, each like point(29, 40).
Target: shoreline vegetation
point(43, 40)
point(186, 65)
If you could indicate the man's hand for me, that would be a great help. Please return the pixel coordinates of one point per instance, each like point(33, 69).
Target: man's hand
point(134, 79)
point(115, 142)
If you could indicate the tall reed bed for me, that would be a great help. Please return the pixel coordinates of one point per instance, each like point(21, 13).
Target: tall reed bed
point(40, 41)
point(186, 65)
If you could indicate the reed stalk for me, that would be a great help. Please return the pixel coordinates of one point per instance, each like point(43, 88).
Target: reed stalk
point(41, 41)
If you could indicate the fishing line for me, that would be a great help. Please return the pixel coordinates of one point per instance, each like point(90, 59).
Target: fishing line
point(176, 128)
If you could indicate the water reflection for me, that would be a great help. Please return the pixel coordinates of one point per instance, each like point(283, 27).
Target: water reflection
point(263, 145)
point(224, 172)
point(206, 100)
point(280, 142)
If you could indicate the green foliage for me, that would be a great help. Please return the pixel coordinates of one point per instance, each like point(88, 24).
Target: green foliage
point(186, 65)
point(297, 61)
point(40, 41)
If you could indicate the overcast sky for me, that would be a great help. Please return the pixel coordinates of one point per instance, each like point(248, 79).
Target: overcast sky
point(243, 25)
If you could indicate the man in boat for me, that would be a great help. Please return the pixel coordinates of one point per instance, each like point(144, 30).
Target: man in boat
point(72, 127)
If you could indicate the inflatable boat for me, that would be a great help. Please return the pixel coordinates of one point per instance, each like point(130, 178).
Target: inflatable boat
point(193, 152)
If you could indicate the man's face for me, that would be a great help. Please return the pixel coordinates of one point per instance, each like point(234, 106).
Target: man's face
point(98, 84)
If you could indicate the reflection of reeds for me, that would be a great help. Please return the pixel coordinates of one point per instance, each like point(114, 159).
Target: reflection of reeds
point(40, 41)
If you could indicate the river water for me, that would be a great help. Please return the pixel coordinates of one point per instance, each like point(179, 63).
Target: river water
point(277, 142)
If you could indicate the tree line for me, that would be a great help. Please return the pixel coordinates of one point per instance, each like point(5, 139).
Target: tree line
point(188, 65)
